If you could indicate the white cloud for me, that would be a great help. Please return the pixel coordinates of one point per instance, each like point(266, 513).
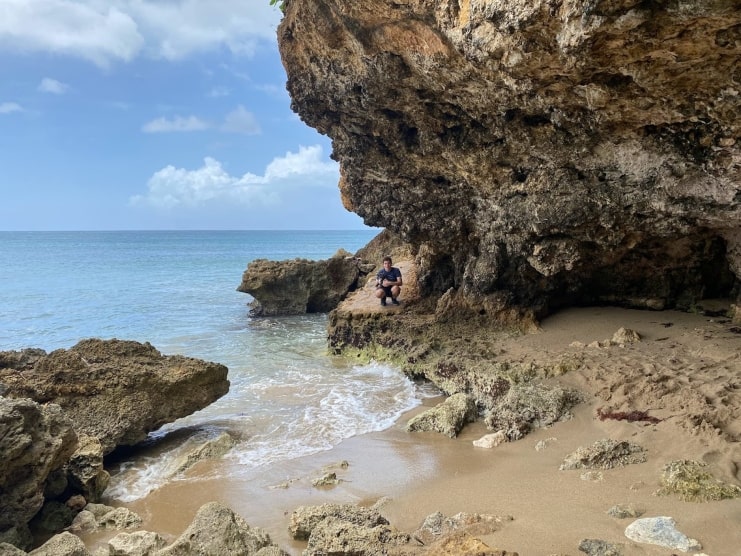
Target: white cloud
point(173, 187)
point(49, 85)
point(217, 92)
point(240, 121)
point(177, 124)
point(120, 30)
point(10, 107)
point(90, 29)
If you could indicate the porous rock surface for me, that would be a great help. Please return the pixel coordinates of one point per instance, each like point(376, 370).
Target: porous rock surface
point(299, 286)
point(35, 440)
point(535, 153)
point(114, 390)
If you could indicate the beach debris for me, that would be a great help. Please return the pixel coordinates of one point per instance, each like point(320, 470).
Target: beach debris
point(447, 418)
point(604, 454)
point(594, 476)
point(541, 445)
point(342, 464)
point(622, 511)
point(328, 479)
point(693, 483)
point(631, 416)
point(528, 406)
point(597, 547)
point(491, 440)
point(661, 531)
point(437, 525)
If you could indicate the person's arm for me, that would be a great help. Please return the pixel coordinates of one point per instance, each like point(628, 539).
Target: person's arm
point(398, 279)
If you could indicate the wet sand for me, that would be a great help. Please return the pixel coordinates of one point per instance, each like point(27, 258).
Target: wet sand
point(687, 373)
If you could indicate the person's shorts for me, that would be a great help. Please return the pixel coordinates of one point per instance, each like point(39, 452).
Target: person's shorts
point(386, 289)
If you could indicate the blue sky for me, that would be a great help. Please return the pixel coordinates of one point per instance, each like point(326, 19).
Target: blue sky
point(155, 114)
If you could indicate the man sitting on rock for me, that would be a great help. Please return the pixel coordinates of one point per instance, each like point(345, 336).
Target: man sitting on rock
point(388, 282)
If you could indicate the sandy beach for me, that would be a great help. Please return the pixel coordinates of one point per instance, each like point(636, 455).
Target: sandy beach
point(685, 371)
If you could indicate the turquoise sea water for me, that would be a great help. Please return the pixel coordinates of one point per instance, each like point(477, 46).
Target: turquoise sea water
point(177, 290)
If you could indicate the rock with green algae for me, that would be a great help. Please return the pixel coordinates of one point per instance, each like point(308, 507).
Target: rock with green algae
point(528, 406)
point(692, 483)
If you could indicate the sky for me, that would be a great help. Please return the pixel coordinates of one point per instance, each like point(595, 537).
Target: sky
point(155, 114)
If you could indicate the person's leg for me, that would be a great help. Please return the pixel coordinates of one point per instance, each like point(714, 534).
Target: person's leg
point(395, 291)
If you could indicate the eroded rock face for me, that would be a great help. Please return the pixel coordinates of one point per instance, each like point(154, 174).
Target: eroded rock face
point(535, 153)
point(113, 390)
point(34, 441)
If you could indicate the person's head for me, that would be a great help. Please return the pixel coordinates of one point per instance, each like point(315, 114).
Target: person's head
point(387, 262)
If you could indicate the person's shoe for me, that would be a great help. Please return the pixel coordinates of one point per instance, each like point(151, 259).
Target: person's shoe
point(383, 302)
point(394, 301)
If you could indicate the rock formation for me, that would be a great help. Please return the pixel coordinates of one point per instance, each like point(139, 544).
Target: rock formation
point(60, 413)
point(116, 391)
point(300, 286)
point(35, 440)
point(535, 154)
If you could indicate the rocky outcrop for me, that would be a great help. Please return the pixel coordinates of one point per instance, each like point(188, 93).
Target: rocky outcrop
point(535, 154)
point(215, 530)
point(300, 286)
point(113, 390)
point(60, 413)
point(35, 440)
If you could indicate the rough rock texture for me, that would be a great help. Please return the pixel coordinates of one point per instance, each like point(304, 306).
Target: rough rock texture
point(218, 531)
point(305, 518)
point(116, 391)
point(447, 418)
point(301, 286)
point(535, 153)
point(605, 454)
point(691, 482)
point(34, 441)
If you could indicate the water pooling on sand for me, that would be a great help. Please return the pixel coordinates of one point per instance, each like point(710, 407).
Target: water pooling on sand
point(287, 399)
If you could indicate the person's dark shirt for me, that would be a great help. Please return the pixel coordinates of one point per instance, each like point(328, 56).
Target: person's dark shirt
point(392, 274)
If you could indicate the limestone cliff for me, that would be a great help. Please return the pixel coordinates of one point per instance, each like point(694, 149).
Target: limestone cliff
point(535, 153)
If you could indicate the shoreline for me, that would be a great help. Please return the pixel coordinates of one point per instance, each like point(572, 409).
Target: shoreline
point(420, 473)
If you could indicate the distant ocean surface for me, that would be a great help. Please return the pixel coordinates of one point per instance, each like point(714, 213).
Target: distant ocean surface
point(177, 290)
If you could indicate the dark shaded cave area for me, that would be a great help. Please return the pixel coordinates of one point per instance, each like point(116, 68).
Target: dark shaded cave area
point(657, 274)
point(669, 273)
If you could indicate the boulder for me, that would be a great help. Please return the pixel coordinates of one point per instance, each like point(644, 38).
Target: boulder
point(218, 531)
point(448, 417)
point(34, 441)
point(300, 286)
point(527, 406)
point(114, 390)
point(605, 454)
point(305, 518)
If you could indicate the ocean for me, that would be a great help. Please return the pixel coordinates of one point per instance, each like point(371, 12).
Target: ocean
point(177, 291)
